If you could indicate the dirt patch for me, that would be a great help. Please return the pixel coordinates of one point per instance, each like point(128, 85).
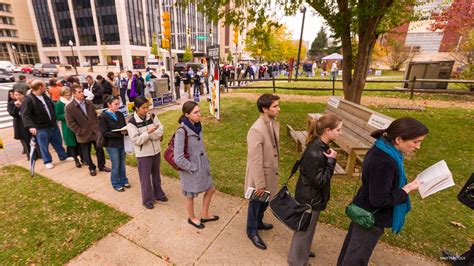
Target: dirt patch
point(366, 100)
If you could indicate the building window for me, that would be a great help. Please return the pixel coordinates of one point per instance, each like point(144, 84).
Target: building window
point(154, 24)
point(72, 60)
point(107, 20)
point(54, 60)
point(43, 21)
point(136, 27)
point(138, 62)
point(6, 20)
point(5, 7)
point(426, 41)
point(112, 59)
point(4, 52)
point(25, 53)
point(63, 22)
point(93, 60)
point(8, 33)
point(181, 13)
point(84, 22)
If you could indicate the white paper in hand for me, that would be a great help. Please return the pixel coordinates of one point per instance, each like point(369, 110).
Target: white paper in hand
point(435, 178)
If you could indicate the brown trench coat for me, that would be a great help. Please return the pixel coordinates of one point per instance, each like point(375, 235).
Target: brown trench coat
point(85, 127)
point(263, 155)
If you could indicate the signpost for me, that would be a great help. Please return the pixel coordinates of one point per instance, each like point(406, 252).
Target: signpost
point(201, 37)
point(214, 103)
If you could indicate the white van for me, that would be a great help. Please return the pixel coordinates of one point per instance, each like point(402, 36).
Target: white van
point(7, 65)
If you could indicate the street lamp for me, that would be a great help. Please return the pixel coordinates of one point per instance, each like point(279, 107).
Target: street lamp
point(302, 10)
point(14, 54)
point(71, 44)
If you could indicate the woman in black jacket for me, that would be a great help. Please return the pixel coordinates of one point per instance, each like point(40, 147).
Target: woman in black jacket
point(313, 185)
point(112, 119)
point(384, 188)
point(20, 132)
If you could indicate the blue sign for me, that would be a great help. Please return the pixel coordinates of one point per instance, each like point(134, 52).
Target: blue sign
point(167, 98)
point(123, 110)
point(157, 102)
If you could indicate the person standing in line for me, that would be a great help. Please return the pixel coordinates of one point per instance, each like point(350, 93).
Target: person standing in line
point(132, 86)
point(20, 132)
point(195, 173)
point(146, 132)
point(82, 119)
point(106, 89)
point(39, 117)
point(313, 186)
point(21, 84)
point(165, 75)
point(177, 84)
point(54, 90)
point(334, 70)
point(123, 82)
point(97, 90)
point(262, 163)
point(187, 79)
point(112, 119)
point(72, 147)
point(197, 84)
point(384, 188)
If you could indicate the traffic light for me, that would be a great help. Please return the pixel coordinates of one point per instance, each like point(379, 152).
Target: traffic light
point(166, 25)
point(165, 43)
point(236, 36)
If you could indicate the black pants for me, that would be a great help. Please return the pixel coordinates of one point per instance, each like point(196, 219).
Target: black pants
point(86, 154)
point(255, 214)
point(123, 93)
point(359, 245)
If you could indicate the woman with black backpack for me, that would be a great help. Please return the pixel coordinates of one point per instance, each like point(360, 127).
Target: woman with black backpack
point(313, 185)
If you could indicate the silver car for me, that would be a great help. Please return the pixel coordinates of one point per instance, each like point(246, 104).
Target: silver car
point(45, 70)
point(6, 76)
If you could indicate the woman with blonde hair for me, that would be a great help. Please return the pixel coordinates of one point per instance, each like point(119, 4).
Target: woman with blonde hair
point(313, 185)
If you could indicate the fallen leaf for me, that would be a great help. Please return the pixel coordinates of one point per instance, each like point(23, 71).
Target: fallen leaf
point(458, 224)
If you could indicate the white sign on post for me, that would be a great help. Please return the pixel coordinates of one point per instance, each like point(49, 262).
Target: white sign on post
point(378, 72)
point(379, 122)
point(334, 102)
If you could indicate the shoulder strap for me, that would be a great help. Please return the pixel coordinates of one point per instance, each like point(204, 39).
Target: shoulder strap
point(296, 166)
point(185, 138)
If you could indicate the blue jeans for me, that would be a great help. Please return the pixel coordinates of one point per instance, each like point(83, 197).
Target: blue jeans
point(255, 214)
point(51, 135)
point(117, 175)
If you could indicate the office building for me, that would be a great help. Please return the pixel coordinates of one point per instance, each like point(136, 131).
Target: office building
point(108, 31)
point(17, 39)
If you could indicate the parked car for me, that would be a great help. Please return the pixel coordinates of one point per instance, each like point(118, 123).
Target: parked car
point(6, 76)
point(45, 70)
point(17, 69)
point(7, 65)
point(182, 67)
point(28, 69)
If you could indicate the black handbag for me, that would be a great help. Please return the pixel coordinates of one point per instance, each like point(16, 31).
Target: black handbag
point(290, 212)
point(466, 195)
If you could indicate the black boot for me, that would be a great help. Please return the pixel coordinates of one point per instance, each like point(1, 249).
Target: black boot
point(78, 164)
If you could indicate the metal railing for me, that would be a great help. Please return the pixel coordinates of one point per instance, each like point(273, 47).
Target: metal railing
point(411, 85)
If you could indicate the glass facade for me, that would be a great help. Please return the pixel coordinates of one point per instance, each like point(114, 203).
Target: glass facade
point(426, 41)
point(192, 25)
point(84, 22)
point(4, 52)
point(136, 26)
point(107, 19)
point(6, 20)
point(181, 20)
point(153, 15)
point(43, 21)
point(63, 22)
point(26, 53)
point(72, 60)
point(93, 60)
point(54, 60)
point(200, 29)
point(138, 62)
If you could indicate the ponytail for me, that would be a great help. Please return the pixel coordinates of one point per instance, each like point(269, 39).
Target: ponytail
point(318, 126)
point(406, 128)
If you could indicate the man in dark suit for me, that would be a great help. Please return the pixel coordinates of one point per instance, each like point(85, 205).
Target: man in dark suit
point(82, 119)
point(94, 87)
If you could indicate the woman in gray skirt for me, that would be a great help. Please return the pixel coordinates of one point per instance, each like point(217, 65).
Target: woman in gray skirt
point(195, 173)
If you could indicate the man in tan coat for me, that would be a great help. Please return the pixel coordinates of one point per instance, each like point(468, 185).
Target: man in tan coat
point(262, 163)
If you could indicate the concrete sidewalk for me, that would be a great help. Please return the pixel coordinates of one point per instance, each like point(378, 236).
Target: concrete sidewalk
point(162, 235)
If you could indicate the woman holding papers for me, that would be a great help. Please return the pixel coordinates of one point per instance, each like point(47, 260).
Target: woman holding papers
point(109, 121)
point(146, 131)
point(313, 185)
point(384, 189)
point(195, 173)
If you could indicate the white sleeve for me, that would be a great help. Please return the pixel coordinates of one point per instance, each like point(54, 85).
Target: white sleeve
point(88, 94)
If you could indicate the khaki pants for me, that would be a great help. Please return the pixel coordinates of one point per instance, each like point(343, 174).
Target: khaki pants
point(187, 89)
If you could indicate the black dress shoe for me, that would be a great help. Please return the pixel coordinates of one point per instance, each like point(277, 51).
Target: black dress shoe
point(311, 254)
point(93, 172)
point(198, 226)
point(149, 206)
point(265, 226)
point(257, 241)
point(78, 164)
point(105, 169)
point(164, 199)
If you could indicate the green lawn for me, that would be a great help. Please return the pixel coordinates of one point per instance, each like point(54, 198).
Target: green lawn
point(428, 227)
point(338, 85)
point(42, 222)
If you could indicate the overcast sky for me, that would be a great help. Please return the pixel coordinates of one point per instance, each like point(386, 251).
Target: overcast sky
point(312, 25)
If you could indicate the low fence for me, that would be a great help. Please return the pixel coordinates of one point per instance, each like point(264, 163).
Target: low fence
point(411, 85)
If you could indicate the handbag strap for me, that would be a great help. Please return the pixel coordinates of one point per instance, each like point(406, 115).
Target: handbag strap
point(295, 167)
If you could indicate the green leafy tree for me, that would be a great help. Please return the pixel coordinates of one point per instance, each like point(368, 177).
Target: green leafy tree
point(319, 45)
point(188, 54)
point(154, 46)
point(230, 58)
point(364, 20)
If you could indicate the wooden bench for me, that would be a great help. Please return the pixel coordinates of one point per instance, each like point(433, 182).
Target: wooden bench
point(358, 123)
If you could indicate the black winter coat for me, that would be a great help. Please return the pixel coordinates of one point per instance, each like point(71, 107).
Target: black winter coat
point(34, 115)
point(20, 132)
point(316, 170)
point(379, 188)
point(107, 124)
